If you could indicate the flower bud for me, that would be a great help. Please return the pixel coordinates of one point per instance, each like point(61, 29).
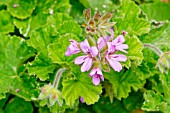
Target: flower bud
point(164, 62)
point(45, 91)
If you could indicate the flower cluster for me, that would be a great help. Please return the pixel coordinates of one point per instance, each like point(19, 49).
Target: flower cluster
point(104, 51)
point(97, 24)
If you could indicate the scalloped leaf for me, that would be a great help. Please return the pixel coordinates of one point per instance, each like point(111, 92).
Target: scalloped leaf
point(21, 8)
point(73, 28)
point(41, 38)
point(153, 102)
point(28, 25)
point(51, 6)
point(134, 55)
point(14, 52)
point(80, 86)
point(41, 67)
point(152, 9)
point(104, 5)
point(122, 82)
point(6, 22)
point(159, 37)
point(57, 50)
point(128, 19)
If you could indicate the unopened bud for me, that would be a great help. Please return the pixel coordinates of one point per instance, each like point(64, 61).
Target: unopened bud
point(45, 91)
point(164, 62)
point(97, 16)
point(87, 14)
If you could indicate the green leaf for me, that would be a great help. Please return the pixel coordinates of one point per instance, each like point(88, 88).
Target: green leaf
point(103, 5)
point(3, 101)
point(50, 6)
point(21, 8)
point(41, 38)
point(57, 50)
point(56, 20)
point(14, 52)
point(70, 27)
point(134, 55)
point(142, 71)
point(18, 105)
point(28, 25)
point(153, 102)
point(159, 37)
point(74, 88)
point(41, 67)
point(122, 82)
point(6, 22)
point(152, 9)
point(128, 19)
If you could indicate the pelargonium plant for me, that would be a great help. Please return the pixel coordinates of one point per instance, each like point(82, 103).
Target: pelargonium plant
point(85, 56)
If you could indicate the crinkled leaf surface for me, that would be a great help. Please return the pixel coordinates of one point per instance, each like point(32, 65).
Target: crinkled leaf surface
point(57, 50)
point(103, 5)
point(18, 105)
point(128, 19)
point(153, 101)
point(142, 71)
point(41, 38)
point(80, 86)
point(152, 9)
point(28, 25)
point(41, 66)
point(6, 22)
point(13, 53)
point(21, 8)
point(51, 6)
point(123, 82)
point(134, 55)
point(73, 28)
point(159, 37)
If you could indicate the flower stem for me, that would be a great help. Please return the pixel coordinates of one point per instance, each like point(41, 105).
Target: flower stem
point(154, 49)
point(57, 77)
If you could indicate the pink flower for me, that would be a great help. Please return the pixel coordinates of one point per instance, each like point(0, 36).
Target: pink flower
point(96, 73)
point(81, 99)
point(72, 48)
point(124, 32)
point(86, 59)
point(118, 44)
point(114, 59)
point(101, 42)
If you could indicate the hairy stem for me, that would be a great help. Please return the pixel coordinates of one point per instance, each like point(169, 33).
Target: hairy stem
point(57, 77)
point(154, 49)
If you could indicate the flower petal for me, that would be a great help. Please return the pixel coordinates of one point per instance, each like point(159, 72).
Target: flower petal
point(100, 43)
point(112, 33)
point(92, 72)
point(111, 48)
point(115, 65)
point(85, 46)
point(118, 57)
point(96, 80)
point(87, 64)
point(121, 47)
point(94, 51)
point(99, 72)
point(72, 48)
point(119, 40)
point(101, 76)
point(80, 59)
